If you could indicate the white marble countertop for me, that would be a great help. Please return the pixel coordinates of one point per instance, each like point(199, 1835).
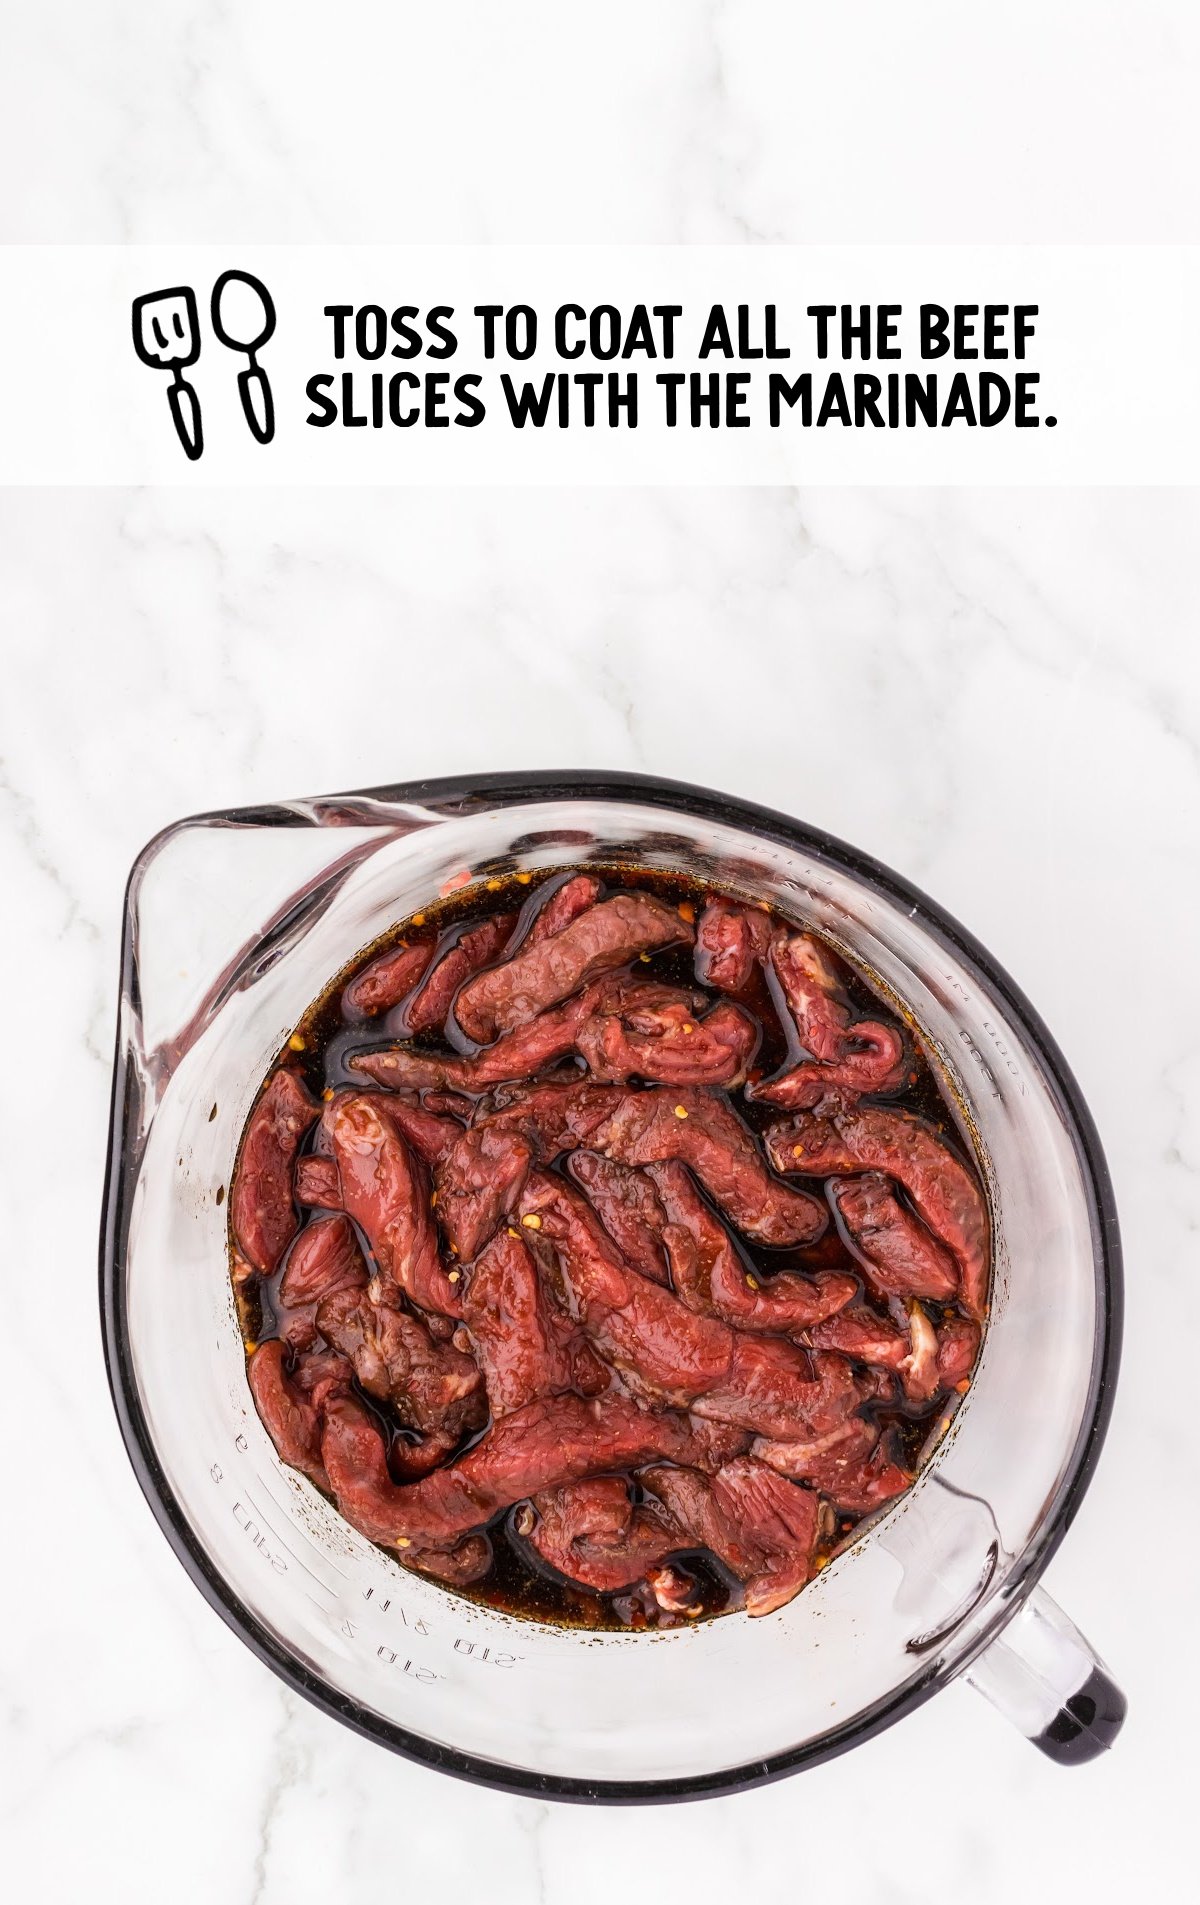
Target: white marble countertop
point(679, 122)
point(996, 693)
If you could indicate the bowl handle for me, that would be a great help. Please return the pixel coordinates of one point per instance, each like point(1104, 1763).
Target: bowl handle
point(1043, 1676)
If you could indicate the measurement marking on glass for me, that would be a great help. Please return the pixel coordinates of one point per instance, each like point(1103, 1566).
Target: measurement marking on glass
point(317, 1549)
point(241, 1444)
point(323, 1585)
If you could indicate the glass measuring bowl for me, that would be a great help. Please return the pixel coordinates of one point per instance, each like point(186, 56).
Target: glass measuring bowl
point(234, 923)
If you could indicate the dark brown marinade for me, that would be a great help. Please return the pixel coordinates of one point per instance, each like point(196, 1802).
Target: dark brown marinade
point(517, 1582)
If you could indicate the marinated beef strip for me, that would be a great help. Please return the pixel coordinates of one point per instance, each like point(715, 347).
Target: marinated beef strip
point(433, 1387)
point(860, 1334)
point(601, 939)
point(898, 1256)
point(731, 940)
point(566, 903)
point(429, 1134)
point(776, 1389)
point(462, 1566)
point(657, 1125)
point(821, 1457)
point(297, 1327)
point(653, 1032)
point(479, 1182)
point(475, 949)
point(543, 1445)
point(628, 1206)
point(665, 1353)
point(262, 1213)
point(848, 1056)
point(325, 1257)
point(594, 1534)
point(387, 980)
point(518, 1055)
point(907, 1149)
point(710, 1276)
point(762, 1527)
point(318, 1186)
point(958, 1346)
point(449, 1104)
point(851, 1466)
point(711, 1444)
point(385, 1190)
point(524, 1346)
point(428, 1130)
point(623, 1028)
point(320, 1374)
point(291, 1420)
point(555, 1116)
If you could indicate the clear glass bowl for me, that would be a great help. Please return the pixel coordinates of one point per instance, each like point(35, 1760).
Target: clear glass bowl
point(234, 923)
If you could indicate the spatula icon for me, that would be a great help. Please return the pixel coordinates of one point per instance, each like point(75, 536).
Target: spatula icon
point(243, 317)
point(166, 335)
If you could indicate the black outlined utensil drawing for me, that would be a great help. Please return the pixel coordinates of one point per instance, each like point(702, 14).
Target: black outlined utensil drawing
point(166, 335)
point(243, 317)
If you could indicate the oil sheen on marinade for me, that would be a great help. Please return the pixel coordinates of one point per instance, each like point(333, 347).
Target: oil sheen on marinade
point(518, 1583)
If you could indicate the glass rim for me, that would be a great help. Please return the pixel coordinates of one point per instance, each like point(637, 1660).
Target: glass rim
point(464, 793)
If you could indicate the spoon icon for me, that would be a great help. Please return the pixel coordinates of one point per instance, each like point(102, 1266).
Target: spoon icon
point(243, 318)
